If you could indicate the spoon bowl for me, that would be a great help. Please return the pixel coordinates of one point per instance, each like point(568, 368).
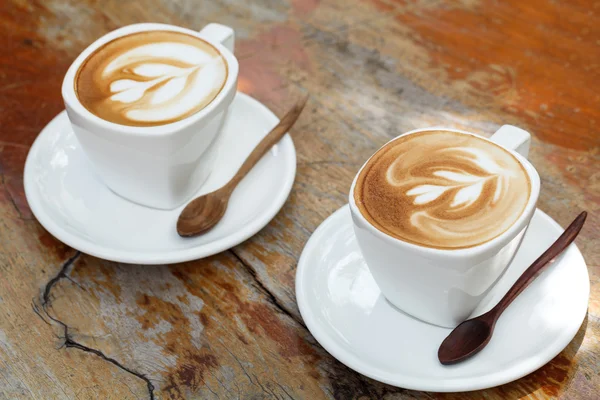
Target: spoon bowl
point(202, 213)
point(476, 333)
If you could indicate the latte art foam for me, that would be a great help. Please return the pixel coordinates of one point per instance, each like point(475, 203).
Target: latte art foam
point(150, 78)
point(442, 189)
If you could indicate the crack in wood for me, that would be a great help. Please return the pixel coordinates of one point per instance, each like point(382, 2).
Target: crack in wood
point(285, 391)
point(69, 342)
point(61, 274)
point(263, 288)
point(36, 310)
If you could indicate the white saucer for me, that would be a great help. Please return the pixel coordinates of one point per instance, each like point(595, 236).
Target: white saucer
point(78, 209)
point(344, 310)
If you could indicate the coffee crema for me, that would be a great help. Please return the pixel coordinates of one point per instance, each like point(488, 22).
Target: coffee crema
point(442, 189)
point(150, 78)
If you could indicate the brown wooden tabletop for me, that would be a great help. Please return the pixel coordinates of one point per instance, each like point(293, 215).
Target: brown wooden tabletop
point(77, 327)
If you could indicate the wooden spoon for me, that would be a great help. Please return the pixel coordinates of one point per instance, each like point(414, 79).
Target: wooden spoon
point(204, 212)
point(472, 335)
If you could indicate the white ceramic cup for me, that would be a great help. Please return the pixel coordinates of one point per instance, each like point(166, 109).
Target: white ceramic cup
point(156, 166)
point(439, 286)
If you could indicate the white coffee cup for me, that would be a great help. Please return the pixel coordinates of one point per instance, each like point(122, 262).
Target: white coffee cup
point(156, 166)
point(440, 286)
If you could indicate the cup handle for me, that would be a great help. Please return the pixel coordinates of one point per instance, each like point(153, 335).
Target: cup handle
point(220, 34)
point(513, 138)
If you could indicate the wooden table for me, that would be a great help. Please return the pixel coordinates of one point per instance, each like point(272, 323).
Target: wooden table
point(74, 326)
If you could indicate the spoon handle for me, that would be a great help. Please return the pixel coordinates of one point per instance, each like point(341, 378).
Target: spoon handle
point(267, 142)
point(538, 265)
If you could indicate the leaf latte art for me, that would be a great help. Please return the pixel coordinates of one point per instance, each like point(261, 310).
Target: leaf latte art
point(442, 189)
point(150, 78)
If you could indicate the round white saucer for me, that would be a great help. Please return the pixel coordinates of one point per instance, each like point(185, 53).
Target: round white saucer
point(77, 208)
point(345, 311)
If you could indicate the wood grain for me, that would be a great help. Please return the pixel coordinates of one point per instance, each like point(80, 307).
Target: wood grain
point(228, 326)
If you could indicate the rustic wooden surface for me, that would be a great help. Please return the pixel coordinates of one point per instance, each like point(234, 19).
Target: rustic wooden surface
point(74, 326)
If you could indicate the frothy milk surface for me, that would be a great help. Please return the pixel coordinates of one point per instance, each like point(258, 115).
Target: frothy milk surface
point(442, 189)
point(150, 78)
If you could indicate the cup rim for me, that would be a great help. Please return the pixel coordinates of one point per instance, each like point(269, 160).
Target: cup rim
point(474, 251)
point(73, 104)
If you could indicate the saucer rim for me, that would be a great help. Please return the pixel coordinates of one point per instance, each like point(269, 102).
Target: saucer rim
point(35, 200)
point(475, 382)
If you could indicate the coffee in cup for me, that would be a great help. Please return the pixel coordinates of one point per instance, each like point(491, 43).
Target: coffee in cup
point(442, 189)
point(150, 78)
